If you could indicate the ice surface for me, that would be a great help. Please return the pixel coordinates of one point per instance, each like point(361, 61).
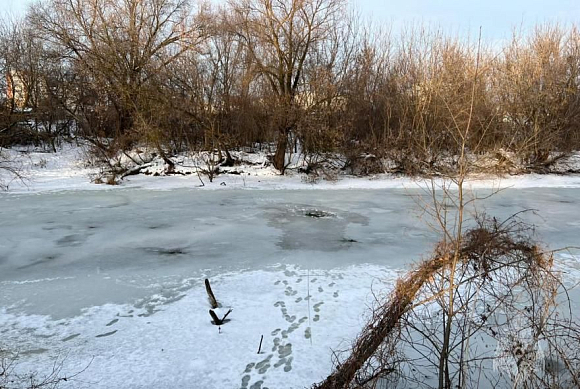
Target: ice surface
point(113, 280)
point(112, 245)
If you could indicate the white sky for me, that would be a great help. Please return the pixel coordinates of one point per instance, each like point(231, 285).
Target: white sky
point(13, 6)
point(496, 17)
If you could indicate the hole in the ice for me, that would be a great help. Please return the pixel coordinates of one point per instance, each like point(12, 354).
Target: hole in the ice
point(167, 250)
point(306, 227)
point(318, 214)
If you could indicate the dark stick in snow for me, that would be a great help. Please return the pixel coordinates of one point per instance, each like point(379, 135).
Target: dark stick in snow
point(210, 295)
point(260, 347)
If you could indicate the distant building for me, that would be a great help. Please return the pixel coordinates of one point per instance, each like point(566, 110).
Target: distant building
point(16, 90)
point(309, 100)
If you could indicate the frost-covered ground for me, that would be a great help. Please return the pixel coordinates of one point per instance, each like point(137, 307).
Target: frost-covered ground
point(68, 170)
point(109, 280)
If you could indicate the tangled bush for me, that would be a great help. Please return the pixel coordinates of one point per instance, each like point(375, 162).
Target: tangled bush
point(494, 314)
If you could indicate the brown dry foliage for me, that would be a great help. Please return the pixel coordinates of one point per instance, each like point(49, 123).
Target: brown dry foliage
point(263, 72)
point(491, 252)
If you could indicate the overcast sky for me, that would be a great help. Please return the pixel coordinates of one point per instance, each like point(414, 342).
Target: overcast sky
point(496, 17)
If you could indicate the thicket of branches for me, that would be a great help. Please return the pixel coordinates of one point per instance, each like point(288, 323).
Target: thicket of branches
point(488, 308)
point(495, 314)
point(180, 76)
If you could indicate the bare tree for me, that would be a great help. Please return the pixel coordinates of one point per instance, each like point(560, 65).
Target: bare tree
point(118, 48)
point(280, 35)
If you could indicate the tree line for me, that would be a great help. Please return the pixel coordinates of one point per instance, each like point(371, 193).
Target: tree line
point(289, 75)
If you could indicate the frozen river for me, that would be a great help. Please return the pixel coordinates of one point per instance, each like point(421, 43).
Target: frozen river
point(113, 279)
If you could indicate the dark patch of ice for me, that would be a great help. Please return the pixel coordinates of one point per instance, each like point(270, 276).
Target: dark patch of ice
point(106, 334)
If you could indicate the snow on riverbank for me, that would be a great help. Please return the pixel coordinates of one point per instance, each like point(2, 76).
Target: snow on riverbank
point(302, 314)
point(47, 171)
point(68, 170)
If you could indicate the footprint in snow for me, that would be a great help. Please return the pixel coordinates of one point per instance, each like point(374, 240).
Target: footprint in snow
point(290, 292)
point(249, 367)
point(284, 350)
point(317, 306)
point(245, 381)
point(276, 344)
point(264, 365)
point(293, 327)
point(257, 385)
point(288, 367)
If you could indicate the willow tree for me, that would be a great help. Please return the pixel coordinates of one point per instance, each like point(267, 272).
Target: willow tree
point(279, 36)
point(118, 47)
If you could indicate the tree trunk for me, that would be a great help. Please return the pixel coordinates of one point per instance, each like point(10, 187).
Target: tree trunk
point(280, 156)
point(125, 121)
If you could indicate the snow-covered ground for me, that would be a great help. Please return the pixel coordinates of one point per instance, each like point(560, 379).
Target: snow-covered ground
point(300, 314)
point(68, 170)
point(108, 280)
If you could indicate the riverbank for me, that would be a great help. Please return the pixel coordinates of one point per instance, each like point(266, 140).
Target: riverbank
point(69, 169)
